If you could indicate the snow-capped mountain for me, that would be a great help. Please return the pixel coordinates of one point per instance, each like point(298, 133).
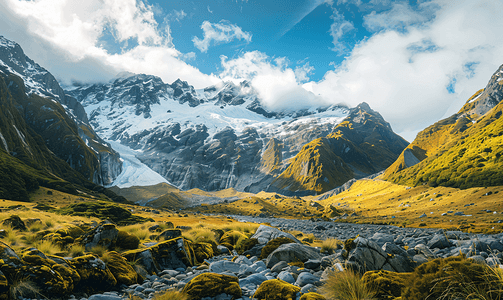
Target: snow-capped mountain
point(101, 163)
point(213, 138)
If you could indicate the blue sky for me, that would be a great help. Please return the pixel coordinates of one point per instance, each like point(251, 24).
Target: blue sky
point(413, 61)
point(300, 30)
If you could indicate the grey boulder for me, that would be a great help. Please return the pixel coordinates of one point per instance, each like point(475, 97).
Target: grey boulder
point(266, 233)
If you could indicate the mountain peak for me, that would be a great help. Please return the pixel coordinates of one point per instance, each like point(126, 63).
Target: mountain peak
point(124, 74)
point(6, 43)
point(364, 106)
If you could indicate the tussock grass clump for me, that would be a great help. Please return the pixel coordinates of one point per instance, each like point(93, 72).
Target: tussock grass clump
point(346, 285)
point(248, 228)
point(76, 250)
point(12, 236)
point(35, 226)
point(454, 278)
point(200, 234)
point(330, 245)
point(49, 223)
point(22, 287)
point(139, 230)
point(47, 247)
point(171, 295)
point(231, 238)
point(98, 250)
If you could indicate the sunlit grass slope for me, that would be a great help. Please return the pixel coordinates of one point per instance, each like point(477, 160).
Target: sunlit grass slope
point(381, 202)
point(468, 159)
point(461, 151)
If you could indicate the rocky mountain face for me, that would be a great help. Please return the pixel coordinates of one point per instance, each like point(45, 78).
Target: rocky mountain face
point(222, 137)
point(25, 160)
point(463, 150)
point(213, 138)
point(62, 122)
point(361, 145)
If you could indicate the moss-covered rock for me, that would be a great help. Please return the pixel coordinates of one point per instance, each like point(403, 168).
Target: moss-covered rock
point(69, 273)
point(104, 235)
point(212, 285)
point(273, 245)
point(9, 260)
point(127, 241)
point(121, 270)
point(312, 296)
point(170, 254)
point(202, 251)
point(94, 275)
point(75, 231)
point(15, 222)
point(245, 245)
point(386, 284)
point(58, 239)
point(39, 269)
point(4, 287)
point(276, 289)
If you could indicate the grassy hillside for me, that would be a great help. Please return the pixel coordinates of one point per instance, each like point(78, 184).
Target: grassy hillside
point(461, 151)
point(382, 202)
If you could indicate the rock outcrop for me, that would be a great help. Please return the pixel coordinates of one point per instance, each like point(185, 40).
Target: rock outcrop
point(59, 118)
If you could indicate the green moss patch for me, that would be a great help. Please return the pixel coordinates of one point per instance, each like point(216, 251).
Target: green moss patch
point(276, 289)
point(211, 285)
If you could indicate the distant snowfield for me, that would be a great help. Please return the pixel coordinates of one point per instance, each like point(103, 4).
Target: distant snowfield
point(112, 119)
point(134, 172)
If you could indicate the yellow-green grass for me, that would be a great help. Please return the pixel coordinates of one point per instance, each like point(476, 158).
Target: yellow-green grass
point(330, 245)
point(346, 285)
point(56, 198)
point(50, 221)
point(381, 202)
point(277, 206)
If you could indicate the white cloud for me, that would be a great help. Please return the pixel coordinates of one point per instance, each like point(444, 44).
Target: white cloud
point(65, 37)
point(400, 16)
point(276, 83)
point(177, 15)
point(302, 72)
point(338, 29)
point(219, 33)
point(404, 75)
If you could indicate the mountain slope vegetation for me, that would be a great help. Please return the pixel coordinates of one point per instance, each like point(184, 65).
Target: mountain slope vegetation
point(361, 145)
point(461, 151)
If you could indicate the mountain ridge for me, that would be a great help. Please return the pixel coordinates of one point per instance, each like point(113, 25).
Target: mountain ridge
point(37, 80)
point(459, 150)
point(212, 138)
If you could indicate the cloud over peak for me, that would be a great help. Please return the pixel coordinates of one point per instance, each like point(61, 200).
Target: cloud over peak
point(219, 33)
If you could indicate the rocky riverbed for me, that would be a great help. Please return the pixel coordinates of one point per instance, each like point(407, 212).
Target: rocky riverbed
point(377, 247)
